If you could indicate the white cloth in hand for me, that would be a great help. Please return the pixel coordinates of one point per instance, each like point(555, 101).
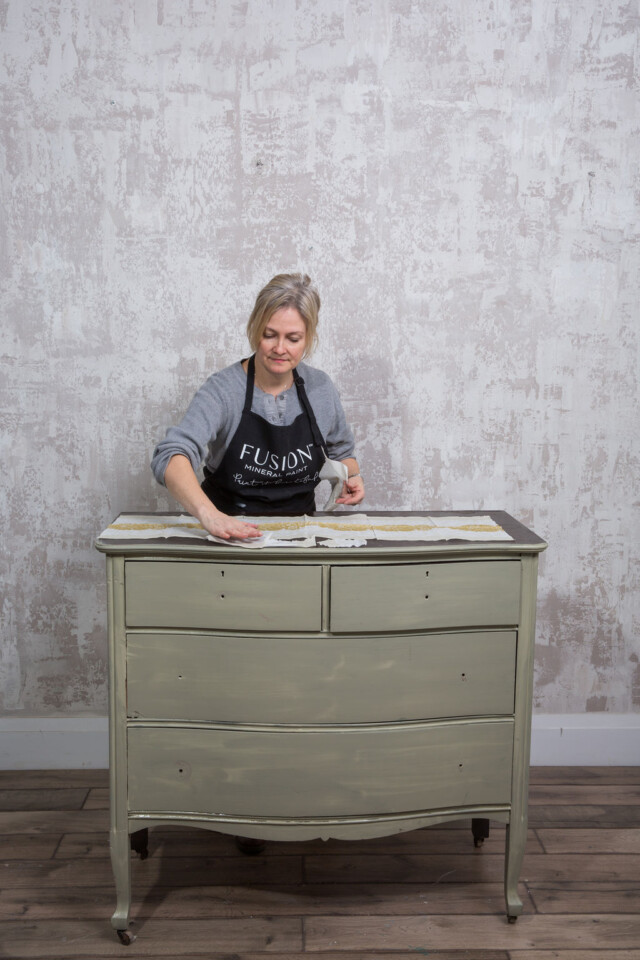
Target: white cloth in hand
point(336, 473)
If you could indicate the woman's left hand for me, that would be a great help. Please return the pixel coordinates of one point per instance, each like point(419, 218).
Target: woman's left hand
point(352, 491)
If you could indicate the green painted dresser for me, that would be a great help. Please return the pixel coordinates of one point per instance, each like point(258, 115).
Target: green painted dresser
point(290, 693)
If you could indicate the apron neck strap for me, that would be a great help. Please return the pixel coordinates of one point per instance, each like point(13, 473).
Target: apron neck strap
point(304, 401)
point(248, 394)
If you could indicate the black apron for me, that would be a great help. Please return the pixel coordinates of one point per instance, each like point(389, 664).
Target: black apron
point(268, 470)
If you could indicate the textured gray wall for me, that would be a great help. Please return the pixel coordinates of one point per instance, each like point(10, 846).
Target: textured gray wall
point(458, 177)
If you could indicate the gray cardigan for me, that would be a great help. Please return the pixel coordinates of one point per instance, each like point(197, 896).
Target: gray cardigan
point(212, 418)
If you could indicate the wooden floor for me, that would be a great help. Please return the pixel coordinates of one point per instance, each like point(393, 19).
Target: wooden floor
point(424, 894)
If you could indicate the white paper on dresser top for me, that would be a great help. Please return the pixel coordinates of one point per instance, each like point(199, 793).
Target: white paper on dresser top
point(302, 531)
point(438, 528)
point(130, 526)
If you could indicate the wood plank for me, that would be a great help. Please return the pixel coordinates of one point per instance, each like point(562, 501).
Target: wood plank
point(67, 939)
point(579, 897)
point(247, 900)
point(406, 868)
point(97, 799)
point(96, 845)
point(340, 899)
point(609, 954)
point(480, 866)
point(18, 875)
point(394, 955)
point(52, 903)
point(156, 871)
point(570, 955)
point(54, 821)
point(568, 815)
point(455, 933)
point(53, 779)
point(610, 868)
point(184, 842)
point(584, 775)
point(366, 955)
point(28, 846)
point(47, 799)
point(591, 841)
point(578, 795)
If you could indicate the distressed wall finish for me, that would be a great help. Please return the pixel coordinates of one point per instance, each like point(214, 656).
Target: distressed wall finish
point(461, 179)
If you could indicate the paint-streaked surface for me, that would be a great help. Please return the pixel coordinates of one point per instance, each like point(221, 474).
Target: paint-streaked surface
point(460, 179)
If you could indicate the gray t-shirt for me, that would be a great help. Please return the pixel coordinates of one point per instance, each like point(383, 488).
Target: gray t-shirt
point(213, 416)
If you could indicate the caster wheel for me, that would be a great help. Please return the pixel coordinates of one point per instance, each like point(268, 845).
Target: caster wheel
point(139, 842)
point(126, 937)
point(480, 829)
point(512, 919)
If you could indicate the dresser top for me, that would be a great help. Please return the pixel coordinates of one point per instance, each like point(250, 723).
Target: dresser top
point(523, 541)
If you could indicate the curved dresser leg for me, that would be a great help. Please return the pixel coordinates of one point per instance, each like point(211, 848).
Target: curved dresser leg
point(121, 863)
point(514, 854)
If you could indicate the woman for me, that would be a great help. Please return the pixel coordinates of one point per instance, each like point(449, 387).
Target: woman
point(264, 426)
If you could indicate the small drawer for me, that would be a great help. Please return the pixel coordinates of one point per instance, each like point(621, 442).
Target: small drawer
point(315, 680)
point(334, 773)
point(414, 596)
point(218, 596)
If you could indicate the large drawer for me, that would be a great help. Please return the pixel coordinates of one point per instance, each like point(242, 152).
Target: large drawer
point(320, 679)
point(319, 773)
point(414, 596)
point(218, 596)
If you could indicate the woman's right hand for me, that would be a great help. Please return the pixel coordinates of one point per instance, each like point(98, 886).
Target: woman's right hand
point(220, 525)
point(183, 484)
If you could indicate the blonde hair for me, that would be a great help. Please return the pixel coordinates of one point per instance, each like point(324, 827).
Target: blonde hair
point(286, 290)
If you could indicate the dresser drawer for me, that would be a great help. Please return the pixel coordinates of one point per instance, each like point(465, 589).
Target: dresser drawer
point(334, 773)
point(217, 596)
point(418, 596)
point(320, 679)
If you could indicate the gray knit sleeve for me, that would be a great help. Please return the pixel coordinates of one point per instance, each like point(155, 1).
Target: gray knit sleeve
point(340, 442)
point(206, 416)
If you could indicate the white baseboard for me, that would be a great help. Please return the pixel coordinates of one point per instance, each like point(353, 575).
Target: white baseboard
point(45, 743)
point(572, 739)
point(585, 739)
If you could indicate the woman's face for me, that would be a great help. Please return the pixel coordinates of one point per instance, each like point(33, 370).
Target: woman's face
point(283, 342)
